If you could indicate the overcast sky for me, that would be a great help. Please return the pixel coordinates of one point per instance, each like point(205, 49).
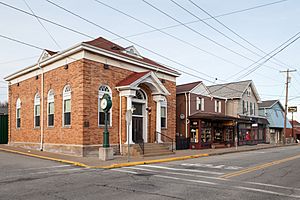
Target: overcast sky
point(207, 53)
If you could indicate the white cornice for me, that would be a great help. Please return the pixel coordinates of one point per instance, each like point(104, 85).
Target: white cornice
point(81, 47)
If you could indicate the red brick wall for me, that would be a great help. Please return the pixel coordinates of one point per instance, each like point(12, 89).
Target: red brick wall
point(84, 77)
point(56, 80)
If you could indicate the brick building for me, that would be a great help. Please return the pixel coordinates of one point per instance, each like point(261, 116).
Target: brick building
point(201, 117)
point(54, 104)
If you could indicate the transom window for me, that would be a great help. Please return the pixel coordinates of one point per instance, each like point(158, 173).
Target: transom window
point(140, 95)
point(18, 113)
point(37, 110)
point(67, 105)
point(50, 108)
point(103, 89)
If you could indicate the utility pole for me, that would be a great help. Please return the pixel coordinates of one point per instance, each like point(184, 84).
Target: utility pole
point(286, 100)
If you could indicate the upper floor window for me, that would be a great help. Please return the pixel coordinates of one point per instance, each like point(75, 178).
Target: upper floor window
point(251, 108)
point(50, 108)
point(18, 113)
point(37, 110)
point(218, 106)
point(248, 91)
point(200, 103)
point(163, 111)
point(103, 89)
point(67, 105)
point(244, 109)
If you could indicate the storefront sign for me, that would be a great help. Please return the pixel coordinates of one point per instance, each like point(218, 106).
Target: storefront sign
point(229, 123)
point(292, 109)
point(254, 125)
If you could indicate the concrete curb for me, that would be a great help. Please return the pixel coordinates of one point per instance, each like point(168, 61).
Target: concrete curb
point(47, 158)
point(127, 164)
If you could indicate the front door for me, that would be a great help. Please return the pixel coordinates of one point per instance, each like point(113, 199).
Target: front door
point(137, 129)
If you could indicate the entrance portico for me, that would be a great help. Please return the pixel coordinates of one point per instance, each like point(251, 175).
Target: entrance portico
point(139, 102)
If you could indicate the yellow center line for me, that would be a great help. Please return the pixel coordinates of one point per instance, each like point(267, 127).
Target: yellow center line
point(258, 167)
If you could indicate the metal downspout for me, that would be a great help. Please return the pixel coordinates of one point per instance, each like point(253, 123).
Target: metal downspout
point(42, 108)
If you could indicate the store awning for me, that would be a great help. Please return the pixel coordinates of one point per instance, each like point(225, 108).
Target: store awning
point(212, 116)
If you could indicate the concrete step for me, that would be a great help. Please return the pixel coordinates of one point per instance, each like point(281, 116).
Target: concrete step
point(153, 149)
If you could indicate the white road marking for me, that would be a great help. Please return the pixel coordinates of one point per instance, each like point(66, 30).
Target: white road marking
point(213, 166)
point(275, 186)
point(65, 170)
point(177, 173)
point(178, 169)
point(56, 166)
point(267, 192)
point(188, 180)
point(126, 171)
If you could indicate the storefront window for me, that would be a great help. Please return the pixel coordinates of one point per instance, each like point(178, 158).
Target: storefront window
point(205, 132)
point(194, 131)
point(229, 134)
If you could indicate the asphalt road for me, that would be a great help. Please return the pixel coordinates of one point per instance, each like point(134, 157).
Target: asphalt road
point(263, 174)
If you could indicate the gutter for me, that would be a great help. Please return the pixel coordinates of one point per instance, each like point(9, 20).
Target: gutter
point(42, 108)
point(186, 118)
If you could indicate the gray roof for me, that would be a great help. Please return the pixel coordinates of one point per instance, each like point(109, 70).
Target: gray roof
point(230, 90)
point(267, 104)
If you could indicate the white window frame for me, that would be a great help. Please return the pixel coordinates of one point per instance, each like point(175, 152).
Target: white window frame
point(18, 107)
point(218, 108)
point(164, 104)
point(200, 101)
point(66, 96)
point(37, 102)
point(101, 91)
point(50, 99)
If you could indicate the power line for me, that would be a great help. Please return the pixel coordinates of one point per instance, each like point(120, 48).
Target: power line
point(231, 30)
point(18, 41)
point(215, 29)
point(216, 16)
point(197, 32)
point(271, 56)
point(50, 35)
point(46, 20)
point(16, 60)
point(174, 37)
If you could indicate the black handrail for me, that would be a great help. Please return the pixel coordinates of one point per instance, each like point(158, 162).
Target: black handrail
point(141, 143)
point(156, 134)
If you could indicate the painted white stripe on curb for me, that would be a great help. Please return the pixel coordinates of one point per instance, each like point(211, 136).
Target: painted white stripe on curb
point(179, 169)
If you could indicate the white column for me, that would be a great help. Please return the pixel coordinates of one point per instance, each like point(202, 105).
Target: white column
point(158, 99)
point(129, 127)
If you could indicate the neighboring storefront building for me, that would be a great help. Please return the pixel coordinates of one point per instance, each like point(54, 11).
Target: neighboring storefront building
point(295, 131)
point(201, 117)
point(242, 101)
point(274, 112)
point(54, 105)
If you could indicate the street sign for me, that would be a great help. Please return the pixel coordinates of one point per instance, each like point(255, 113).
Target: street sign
point(292, 109)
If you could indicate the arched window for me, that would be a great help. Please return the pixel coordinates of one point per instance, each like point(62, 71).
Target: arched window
point(37, 110)
point(103, 89)
point(18, 113)
point(164, 113)
point(50, 107)
point(67, 105)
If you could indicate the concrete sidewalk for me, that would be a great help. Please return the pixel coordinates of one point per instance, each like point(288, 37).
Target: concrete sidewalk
point(121, 161)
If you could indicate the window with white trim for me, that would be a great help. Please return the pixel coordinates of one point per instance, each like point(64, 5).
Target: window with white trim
point(163, 112)
point(50, 108)
point(67, 105)
point(200, 103)
point(18, 113)
point(37, 110)
point(103, 89)
point(218, 106)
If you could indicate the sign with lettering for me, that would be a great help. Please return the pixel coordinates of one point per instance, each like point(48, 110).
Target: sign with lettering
point(292, 109)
